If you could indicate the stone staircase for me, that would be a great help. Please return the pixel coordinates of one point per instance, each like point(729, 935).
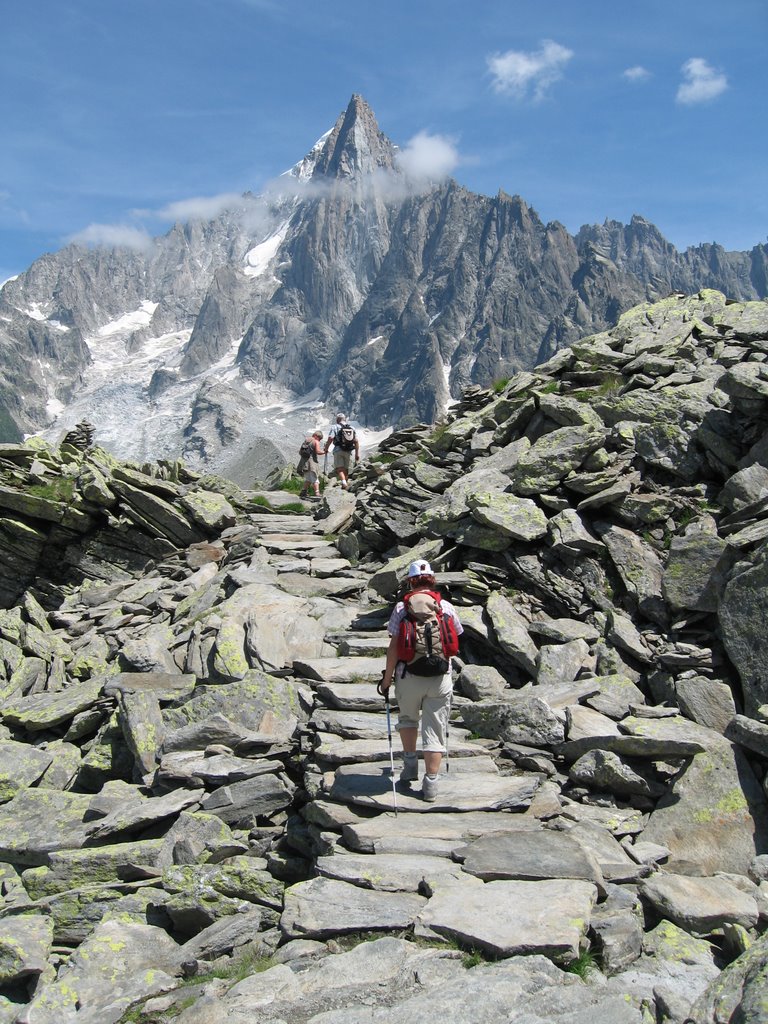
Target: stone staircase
point(380, 853)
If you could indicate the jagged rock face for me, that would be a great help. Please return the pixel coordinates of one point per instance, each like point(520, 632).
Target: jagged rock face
point(383, 296)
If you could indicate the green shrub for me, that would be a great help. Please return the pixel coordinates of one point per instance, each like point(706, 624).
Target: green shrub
point(498, 385)
point(583, 965)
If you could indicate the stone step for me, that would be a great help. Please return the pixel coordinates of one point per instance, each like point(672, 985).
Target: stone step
point(370, 785)
point(339, 672)
point(302, 585)
point(388, 872)
point(340, 751)
point(269, 524)
point(386, 831)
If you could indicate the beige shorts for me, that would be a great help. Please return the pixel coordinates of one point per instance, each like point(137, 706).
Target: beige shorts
point(430, 695)
point(342, 459)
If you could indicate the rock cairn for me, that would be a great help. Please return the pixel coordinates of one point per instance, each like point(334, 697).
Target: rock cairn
point(194, 761)
point(81, 437)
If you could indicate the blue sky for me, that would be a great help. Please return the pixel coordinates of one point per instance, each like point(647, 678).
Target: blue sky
point(113, 111)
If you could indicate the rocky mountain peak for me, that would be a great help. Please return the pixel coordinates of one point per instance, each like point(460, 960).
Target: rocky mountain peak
point(356, 146)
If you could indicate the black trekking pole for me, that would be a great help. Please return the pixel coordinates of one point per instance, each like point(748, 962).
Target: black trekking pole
point(448, 731)
point(385, 694)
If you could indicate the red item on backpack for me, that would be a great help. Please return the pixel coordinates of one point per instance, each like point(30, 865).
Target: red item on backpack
point(410, 644)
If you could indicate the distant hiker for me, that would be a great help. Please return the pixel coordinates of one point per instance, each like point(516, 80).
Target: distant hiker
point(309, 466)
point(344, 440)
point(424, 632)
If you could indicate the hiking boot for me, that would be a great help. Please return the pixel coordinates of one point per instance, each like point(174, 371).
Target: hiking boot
point(410, 772)
point(429, 789)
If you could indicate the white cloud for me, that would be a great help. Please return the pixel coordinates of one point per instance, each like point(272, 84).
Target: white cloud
point(113, 236)
point(637, 73)
point(428, 157)
point(200, 208)
point(519, 74)
point(701, 82)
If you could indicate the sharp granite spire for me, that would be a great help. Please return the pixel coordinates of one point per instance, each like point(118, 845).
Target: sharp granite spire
point(356, 146)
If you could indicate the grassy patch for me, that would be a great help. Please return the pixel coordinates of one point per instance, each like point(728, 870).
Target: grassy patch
point(59, 489)
point(549, 389)
point(498, 385)
point(583, 964)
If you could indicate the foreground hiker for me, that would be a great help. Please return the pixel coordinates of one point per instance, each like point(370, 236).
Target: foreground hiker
point(309, 465)
point(344, 440)
point(424, 633)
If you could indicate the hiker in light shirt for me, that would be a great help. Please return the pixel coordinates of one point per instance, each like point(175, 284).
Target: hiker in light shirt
point(428, 696)
point(344, 440)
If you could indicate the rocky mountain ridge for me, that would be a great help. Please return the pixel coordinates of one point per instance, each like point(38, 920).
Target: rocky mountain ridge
point(195, 772)
point(346, 282)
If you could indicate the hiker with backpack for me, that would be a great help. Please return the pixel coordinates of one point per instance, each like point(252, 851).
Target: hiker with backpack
point(344, 440)
point(424, 634)
point(309, 465)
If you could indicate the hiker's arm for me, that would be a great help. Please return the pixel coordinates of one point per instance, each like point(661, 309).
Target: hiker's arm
point(389, 670)
point(357, 450)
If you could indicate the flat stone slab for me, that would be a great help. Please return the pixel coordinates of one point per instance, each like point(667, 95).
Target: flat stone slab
point(699, 905)
point(652, 738)
point(164, 685)
point(25, 944)
point(457, 829)
point(38, 821)
point(323, 907)
point(142, 815)
point(341, 751)
point(243, 802)
point(186, 766)
point(45, 710)
point(351, 725)
point(301, 585)
point(600, 844)
point(120, 962)
point(620, 821)
point(370, 785)
point(342, 670)
point(364, 646)
point(21, 765)
point(279, 542)
point(387, 872)
point(511, 918)
point(530, 856)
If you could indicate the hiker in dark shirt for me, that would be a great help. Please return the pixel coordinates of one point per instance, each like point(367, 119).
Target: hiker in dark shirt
point(309, 465)
point(428, 695)
point(344, 440)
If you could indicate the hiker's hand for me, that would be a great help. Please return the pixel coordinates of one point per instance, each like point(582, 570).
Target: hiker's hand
point(383, 686)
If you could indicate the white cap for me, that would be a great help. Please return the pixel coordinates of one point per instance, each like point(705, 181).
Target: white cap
point(419, 569)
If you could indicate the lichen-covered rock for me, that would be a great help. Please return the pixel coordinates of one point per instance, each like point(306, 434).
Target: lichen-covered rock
point(118, 964)
point(25, 944)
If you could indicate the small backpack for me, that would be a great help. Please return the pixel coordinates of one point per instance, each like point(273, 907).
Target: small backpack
point(426, 639)
point(345, 438)
point(307, 450)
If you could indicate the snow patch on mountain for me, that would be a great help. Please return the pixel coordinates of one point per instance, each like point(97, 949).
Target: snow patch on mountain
point(129, 321)
point(304, 169)
point(259, 257)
